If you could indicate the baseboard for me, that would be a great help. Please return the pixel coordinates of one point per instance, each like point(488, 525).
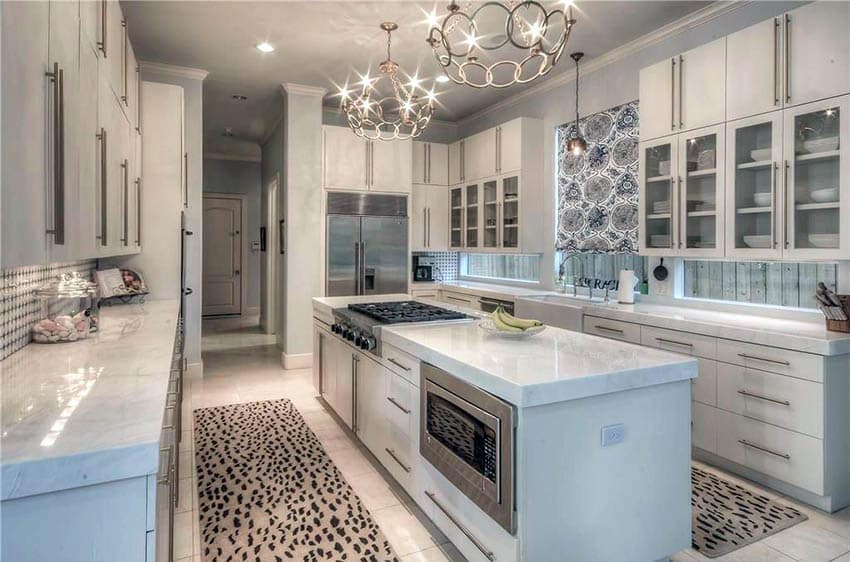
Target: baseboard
point(296, 360)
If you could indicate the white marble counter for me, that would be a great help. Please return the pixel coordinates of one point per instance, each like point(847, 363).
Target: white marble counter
point(506, 292)
point(553, 366)
point(86, 412)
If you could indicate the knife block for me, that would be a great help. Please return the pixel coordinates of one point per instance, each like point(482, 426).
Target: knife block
point(841, 325)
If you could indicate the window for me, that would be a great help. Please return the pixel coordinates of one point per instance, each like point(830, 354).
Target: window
point(605, 267)
point(507, 267)
point(774, 283)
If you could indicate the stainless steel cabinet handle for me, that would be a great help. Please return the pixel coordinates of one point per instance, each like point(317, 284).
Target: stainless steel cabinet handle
point(186, 179)
point(681, 89)
point(765, 359)
point(607, 329)
point(488, 554)
point(138, 99)
point(748, 394)
point(428, 163)
point(463, 160)
point(392, 454)
point(138, 211)
point(395, 403)
point(787, 58)
point(366, 155)
point(397, 364)
point(125, 96)
point(104, 212)
point(673, 94)
point(102, 43)
point(763, 449)
point(785, 202)
point(776, 25)
point(679, 213)
point(57, 78)
point(425, 227)
point(773, 172)
point(451, 298)
point(357, 268)
point(354, 364)
point(429, 227)
point(674, 342)
point(125, 165)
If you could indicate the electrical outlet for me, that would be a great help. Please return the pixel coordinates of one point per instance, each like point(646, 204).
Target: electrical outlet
point(613, 434)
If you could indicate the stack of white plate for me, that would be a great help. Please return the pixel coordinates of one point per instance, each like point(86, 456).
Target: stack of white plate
point(757, 241)
point(823, 240)
point(659, 240)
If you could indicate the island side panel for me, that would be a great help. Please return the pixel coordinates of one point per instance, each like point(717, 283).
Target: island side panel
point(627, 501)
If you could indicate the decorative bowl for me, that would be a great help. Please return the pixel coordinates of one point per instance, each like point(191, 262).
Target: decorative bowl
point(760, 154)
point(706, 159)
point(664, 168)
point(824, 195)
point(821, 145)
point(487, 325)
point(757, 241)
point(823, 240)
point(762, 199)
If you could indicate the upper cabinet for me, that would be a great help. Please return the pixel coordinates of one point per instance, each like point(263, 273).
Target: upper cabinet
point(456, 171)
point(488, 153)
point(352, 162)
point(795, 58)
point(430, 163)
point(685, 92)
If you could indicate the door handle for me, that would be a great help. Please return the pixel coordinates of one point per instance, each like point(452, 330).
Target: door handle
point(185, 179)
point(138, 211)
point(57, 78)
point(773, 171)
point(681, 70)
point(138, 99)
point(787, 58)
point(785, 198)
point(125, 95)
point(357, 268)
point(776, 25)
point(102, 43)
point(673, 94)
point(104, 214)
point(125, 165)
point(679, 213)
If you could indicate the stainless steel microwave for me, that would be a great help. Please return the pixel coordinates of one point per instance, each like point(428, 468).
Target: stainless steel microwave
point(468, 435)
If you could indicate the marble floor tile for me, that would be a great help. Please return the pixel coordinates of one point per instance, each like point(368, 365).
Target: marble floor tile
point(809, 543)
point(184, 535)
point(404, 531)
point(441, 553)
point(187, 492)
point(186, 467)
point(375, 492)
point(352, 463)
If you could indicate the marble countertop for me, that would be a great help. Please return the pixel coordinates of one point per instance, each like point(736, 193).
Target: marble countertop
point(507, 292)
point(553, 366)
point(86, 412)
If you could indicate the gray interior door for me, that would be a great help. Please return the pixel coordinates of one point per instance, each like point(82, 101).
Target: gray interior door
point(384, 247)
point(343, 241)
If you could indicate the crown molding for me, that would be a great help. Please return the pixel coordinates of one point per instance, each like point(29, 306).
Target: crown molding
point(690, 21)
point(302, 89)
point(234, 157)
point(174, 70)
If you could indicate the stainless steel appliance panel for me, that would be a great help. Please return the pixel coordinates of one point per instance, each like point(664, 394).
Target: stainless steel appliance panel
point(383, 247)
point(343, 255)
point(367, 204)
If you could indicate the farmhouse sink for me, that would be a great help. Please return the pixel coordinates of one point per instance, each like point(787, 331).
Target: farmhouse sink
point(562, 311)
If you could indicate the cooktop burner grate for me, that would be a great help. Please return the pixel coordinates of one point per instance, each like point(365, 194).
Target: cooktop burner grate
point(405, 311)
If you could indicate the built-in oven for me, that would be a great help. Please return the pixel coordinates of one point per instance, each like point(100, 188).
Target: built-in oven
point(468, 435)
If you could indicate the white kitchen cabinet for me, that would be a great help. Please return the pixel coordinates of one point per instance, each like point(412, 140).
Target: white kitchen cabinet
point(456, 164)
point(134, 221)
point(115, 47)
point(509, 146)
point(89, 146)
point(131, 82)
point(754, 70)
point(471, 214)
point(659, 196)
point(817, 52)
point(390, 165)
point(429, 218)
point(346, 159)
point(114, 191)
point(702, 86)
point(500, 201)
point(657, 97)
point(754, 196)
point(430, 163)
point(91, 22)
point(817, 180)
point(480, 155)
point(371, 383)
point(701, 192)
point(456, 217)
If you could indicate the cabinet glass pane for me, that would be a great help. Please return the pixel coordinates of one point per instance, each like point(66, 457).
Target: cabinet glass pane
point(456, 217)
point(754, 187)
point(700, 192)
point(816, 179)
point(471, 216)
point(510, 212)
point(658, 190)
point(491, 214)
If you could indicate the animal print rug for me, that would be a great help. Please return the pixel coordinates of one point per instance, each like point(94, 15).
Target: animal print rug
point(268, 491)
point(727, 516)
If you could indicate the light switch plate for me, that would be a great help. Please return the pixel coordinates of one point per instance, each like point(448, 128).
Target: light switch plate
point(613, 434)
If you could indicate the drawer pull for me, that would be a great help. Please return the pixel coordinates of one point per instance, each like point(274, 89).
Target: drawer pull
point(746, 443)
point(464, 301)
point(765, 359)
point(607, 329)
point(395, 403)
point(398, 364)
point(674, 342)
point(747, 393)
point(478, 544)
point(392, 454)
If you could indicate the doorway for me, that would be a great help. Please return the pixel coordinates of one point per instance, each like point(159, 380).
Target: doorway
point(223, 256)
point(268, 320)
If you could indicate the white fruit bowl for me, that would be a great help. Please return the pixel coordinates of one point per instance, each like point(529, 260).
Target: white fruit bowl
point(757, 241)
point(760, 154)
point(762, 199)
point(826, 195)
point(821, 145)
point(823, 240)
point(488, 326)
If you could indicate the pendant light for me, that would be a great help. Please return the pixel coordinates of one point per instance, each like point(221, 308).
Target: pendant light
point(577, 145)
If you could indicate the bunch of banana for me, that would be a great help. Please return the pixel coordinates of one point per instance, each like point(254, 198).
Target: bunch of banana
point(507, 323)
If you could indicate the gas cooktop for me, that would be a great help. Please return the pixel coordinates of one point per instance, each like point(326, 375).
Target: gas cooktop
point(405, 311)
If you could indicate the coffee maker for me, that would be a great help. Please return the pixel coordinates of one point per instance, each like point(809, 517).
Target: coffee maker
point(423, 270)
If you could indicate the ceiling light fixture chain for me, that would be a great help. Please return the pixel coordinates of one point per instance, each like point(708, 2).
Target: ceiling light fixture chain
point(397, 113)
point(466, 39)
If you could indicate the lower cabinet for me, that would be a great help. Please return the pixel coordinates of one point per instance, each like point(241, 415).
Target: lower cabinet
point(460, 299)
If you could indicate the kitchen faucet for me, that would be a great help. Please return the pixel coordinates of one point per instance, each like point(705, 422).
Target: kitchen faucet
point(576, 278)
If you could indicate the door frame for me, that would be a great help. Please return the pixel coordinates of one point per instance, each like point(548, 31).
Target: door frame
point(243, 266)
point(268, 306)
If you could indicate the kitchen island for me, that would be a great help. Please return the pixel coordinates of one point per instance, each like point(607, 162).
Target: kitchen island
point(583, 420)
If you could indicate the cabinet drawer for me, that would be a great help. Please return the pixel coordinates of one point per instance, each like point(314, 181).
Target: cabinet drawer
point(398, 407)
point(773, 359)
point(704, 427)
point(401, 363)
point(460, 299)
point(397, 456)
point(788, 402)
point(679, 342)
point(704, 387)
point(425, 294)
point(786, 455)
point(613, 329)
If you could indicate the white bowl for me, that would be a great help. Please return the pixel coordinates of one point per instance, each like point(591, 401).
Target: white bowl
point(825, 195)
point(821, 145)
point(761, 154)
point(488, 326)
point(664, 168)
point(823, 240)
point(757, 241)
point(762, 199)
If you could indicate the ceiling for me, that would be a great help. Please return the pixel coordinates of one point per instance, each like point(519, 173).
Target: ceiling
point(325, 43)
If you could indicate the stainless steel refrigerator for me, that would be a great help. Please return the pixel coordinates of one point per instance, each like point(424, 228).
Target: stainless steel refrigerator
point(366, 244)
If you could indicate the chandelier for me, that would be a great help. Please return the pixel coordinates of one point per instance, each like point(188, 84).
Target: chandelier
point(469, 44)
point(386, 108)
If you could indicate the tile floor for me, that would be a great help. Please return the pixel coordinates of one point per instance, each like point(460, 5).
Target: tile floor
point(241, 364)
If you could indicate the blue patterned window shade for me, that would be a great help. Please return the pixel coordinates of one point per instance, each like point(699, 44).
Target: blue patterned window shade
point(598, 191)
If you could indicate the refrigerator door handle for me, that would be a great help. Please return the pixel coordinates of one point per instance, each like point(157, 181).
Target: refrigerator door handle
point(357, 268)
point(362, 268)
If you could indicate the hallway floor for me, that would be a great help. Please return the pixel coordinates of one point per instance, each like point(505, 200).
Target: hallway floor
point(242, 364)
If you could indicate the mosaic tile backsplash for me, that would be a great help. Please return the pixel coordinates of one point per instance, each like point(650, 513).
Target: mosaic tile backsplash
point(445, 264)
point(19, 309)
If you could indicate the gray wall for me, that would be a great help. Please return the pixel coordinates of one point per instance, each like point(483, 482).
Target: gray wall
point(193, 100)
point(609, 86)
point(241, 178)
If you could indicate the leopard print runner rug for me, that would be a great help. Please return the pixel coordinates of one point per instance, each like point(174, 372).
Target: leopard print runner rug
point(268, 491)
point(727, 516)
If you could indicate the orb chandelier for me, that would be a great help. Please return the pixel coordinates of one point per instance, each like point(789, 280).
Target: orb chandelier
point(386, 108)
point(500, 43)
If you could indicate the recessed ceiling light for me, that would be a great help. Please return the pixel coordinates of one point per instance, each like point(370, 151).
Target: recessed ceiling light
point(239, 97)
point(265, 47)
point(442, 78)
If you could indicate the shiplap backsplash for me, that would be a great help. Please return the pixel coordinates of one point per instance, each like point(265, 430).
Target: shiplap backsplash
point(19, 309)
